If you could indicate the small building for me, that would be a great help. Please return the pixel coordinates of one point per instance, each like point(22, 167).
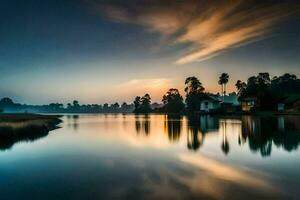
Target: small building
point(209, 103)
point(248, 103)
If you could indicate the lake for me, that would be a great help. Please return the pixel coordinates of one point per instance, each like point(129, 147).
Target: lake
point(109, 156)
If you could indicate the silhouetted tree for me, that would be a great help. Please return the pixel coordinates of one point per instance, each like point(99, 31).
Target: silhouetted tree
point(223, 80)
point(105, 107)
point(115, 107)
point(142, 105)
point(194, 90)
point(260, 87)
point(173, 101)
point(240, 86)
point(285, 85)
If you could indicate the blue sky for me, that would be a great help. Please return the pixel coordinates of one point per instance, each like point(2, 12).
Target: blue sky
point(107, 51)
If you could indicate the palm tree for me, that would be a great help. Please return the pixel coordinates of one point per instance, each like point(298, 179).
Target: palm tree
point(223, 80)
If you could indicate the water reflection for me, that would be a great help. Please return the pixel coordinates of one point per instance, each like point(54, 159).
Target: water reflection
point(260, 134)
point(198, 127)
point(159, 157)
point(225, 143)
point(172, 127)
point(263, 133)
point(142, 124)
point(10, 135)
point(72, 121)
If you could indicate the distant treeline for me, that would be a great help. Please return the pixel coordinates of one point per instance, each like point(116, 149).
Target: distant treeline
point(7, 105)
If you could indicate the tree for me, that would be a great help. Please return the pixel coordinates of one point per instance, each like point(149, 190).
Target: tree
point(7, 104)
point(142, 104)
point(260, 87)
point(105, 107)
point(285, 85)
point(69, 106)
point(223, 80)
point(173, 101)
point(115, 106)
point(145, 103)
point(240, 86)
point(75, 103)
point(193, 85)
point(194, 90)
point(137, 103)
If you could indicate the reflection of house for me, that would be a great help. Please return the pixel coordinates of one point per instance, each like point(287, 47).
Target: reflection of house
point(292, 102)
point(209, 103)
point(248, 103)
point(208, 124)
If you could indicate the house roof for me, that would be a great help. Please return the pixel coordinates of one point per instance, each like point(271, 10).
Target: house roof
point(208, 97)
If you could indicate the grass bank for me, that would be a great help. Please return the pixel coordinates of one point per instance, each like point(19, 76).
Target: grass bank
point(25, 127)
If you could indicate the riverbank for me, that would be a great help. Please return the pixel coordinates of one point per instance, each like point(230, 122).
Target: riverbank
point(23, 120)
point(25, 127)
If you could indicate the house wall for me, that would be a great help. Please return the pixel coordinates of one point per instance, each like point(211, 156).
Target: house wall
point(208, 105)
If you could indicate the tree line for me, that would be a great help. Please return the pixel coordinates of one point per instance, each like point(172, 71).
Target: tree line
point(7, 105)
point(268, 91)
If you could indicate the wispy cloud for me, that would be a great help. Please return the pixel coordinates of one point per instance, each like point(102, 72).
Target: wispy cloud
point(208, 27)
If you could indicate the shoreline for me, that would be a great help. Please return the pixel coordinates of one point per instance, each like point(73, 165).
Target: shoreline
point(16, 128)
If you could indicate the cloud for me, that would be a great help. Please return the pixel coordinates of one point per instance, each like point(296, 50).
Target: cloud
point(208, 28)
point(155, 87)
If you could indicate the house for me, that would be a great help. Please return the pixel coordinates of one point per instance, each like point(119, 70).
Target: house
point(209, 103)
point(291, 102)
point(248, 103)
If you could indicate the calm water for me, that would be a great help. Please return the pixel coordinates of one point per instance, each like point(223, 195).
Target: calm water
point(156, 156)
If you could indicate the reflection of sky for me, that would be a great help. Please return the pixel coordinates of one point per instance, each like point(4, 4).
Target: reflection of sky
point(107, 149)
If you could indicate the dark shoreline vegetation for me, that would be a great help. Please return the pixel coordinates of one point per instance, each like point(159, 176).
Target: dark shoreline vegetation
point(260, 95)
point(15, 128)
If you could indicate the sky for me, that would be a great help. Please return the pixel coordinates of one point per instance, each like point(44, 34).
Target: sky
point(111, 51)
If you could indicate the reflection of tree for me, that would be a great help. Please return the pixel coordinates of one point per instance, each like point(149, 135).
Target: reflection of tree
point(195, 138)
point(172, 127)
point(262, 132)
point(142, 123)
point(75, 121)
point(146, 124)
point(137, 124)
point(225, 143)
point(198, 127)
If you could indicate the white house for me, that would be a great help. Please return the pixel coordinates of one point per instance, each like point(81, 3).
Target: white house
point(209, 103)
